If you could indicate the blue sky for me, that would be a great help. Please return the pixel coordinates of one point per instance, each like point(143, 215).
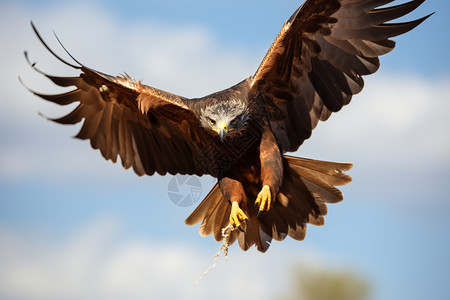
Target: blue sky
point(75, 226)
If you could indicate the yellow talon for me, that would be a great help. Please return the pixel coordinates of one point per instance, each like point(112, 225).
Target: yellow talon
point(237, 215)
point(264, 199)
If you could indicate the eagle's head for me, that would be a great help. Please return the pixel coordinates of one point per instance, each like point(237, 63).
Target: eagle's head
point(224, 116)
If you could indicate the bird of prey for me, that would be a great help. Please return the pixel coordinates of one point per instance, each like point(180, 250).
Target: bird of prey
point(241, 135)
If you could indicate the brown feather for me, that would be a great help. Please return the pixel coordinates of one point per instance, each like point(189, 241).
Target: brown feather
point(144, 126)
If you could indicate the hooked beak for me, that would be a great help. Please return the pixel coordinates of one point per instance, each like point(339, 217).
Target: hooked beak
point(223, 129)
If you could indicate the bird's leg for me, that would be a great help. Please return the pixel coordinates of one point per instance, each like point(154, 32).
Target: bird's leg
point(263, 200)
point(271, 171)
point(237, 215)
point(233, 191)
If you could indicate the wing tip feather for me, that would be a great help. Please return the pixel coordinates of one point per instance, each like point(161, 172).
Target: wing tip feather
point(51, 51)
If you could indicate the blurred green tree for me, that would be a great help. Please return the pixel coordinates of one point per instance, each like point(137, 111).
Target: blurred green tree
point(315, 283)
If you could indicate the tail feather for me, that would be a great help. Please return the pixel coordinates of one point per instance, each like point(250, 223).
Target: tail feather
point(213, 222)
point(222, 221)
point(307, 186)
point(329, 172)
point(254, 234)
point(322, 176)
point(203, 210)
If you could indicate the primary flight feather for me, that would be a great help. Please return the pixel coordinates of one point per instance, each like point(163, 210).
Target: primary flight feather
point(240, 135)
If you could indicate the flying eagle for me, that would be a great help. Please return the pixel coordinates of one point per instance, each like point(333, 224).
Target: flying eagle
point(240, 135)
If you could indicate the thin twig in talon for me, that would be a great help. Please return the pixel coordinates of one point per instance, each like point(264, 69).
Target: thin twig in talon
point(225, 238)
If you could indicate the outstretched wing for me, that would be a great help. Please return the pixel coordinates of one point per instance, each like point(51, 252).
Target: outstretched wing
point(151, 130)
point(317, 61)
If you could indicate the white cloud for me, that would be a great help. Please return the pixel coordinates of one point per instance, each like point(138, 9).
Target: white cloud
point(97, 262)
point(397, 119)
point(396, 134)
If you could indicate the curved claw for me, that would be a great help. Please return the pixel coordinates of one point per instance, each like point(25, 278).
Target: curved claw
point(259, 213)
point(264, 200)
point(237, 216)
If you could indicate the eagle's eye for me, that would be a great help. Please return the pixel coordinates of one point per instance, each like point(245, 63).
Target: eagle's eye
point(212, 122)
point(233, 122)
